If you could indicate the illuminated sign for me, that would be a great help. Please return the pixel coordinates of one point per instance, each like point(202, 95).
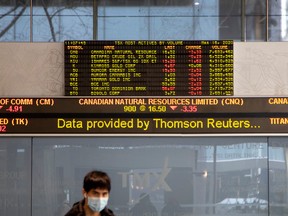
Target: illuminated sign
point(144, 115)
point(148, 68)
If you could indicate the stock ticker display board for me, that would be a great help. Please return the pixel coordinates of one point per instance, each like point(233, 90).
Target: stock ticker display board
point(148, 68)
point(144, 115)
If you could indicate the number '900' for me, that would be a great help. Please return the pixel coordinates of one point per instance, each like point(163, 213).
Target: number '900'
point(130, 108)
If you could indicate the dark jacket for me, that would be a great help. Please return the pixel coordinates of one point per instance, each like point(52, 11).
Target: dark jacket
point(78, 210)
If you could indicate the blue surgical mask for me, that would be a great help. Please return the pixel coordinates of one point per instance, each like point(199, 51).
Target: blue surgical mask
point(97, 204)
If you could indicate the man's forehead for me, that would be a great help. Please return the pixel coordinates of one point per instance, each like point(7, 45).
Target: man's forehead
point(100, 190)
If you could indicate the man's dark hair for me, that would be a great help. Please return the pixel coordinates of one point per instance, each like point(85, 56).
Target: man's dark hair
point(96, 179)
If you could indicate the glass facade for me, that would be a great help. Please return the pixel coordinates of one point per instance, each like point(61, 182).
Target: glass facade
point(180, 175)
point(56, 21)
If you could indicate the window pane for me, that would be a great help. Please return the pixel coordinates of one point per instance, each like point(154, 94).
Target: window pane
point(278, 189)
point(15, 176)
point(229, 19)
point(255, 20)
point(15, 21)
point(278, 20)
point(58, 22)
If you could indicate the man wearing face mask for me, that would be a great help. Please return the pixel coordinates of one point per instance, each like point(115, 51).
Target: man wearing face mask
point(96, 189)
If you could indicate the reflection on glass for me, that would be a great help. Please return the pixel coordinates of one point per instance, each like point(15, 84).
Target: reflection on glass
point(169, 176)
point(15, 20)
point(15, 176)
point(56, 21)
point(278, 176)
